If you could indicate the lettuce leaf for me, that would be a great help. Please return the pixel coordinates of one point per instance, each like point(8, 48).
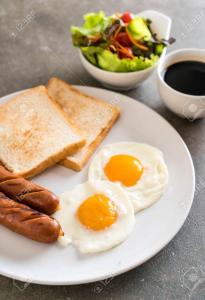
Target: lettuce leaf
point(109, 61)
point(91, 54)
point(95, 23)
point(96, 20)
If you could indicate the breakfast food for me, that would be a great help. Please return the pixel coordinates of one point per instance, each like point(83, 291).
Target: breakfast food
point(35, 133)
point(42, 126)
point(118, 43)
point(92, 116)
point(95, 216)
point(28, 222)
point(138, 168)
point(27, 192)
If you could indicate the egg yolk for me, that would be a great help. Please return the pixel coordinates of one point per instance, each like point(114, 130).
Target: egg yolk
point(97, 212)
point(124, 168)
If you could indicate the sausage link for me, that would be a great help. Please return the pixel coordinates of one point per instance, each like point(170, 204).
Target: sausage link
point(27, 192)
point(28, 222)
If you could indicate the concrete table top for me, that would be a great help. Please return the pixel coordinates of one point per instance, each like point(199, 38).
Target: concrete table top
point(35, 45)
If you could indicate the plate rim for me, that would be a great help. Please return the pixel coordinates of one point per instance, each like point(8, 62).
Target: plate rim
point(146, 258)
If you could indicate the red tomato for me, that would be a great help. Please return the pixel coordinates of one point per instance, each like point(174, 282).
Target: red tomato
point(127, 17)
point(127, 53)
point(123, 39)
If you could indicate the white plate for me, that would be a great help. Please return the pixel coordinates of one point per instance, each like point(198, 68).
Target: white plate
point(30, 261)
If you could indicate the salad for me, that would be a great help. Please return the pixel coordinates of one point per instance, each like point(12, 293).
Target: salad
point(118, 43)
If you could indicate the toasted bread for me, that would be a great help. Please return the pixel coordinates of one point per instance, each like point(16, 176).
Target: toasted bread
point(35, 133)
point(92, 116)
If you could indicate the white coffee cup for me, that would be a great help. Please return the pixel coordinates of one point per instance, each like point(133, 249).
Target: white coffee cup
point(184, 105)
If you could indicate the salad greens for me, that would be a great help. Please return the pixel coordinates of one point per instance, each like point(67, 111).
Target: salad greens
point(109, 61)
point(118, 43)
point(94, 25)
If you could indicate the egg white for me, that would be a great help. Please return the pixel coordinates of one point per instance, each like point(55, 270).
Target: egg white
point(88, 240)
point(153, 181)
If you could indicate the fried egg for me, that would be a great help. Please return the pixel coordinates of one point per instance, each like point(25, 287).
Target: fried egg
point(138, 168)
point(95, 216)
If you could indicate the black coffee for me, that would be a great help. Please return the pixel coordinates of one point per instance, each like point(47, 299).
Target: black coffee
point(187, 77)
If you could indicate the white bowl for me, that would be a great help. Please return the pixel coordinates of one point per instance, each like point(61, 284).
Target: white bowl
point(161, 25)
point(185, 106)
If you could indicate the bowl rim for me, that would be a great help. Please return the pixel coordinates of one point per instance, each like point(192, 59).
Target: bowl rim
point(160, 69)
point(120, 74)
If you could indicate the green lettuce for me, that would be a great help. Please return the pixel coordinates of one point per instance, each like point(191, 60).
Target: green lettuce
point(91, 53)
point(109, 61)
point(95, 23)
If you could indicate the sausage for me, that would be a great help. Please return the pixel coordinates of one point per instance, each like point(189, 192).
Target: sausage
point(27, 192)
point(28, 222)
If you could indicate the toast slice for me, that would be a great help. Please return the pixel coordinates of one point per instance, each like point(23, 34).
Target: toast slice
point(35, 133)
point(92, 116)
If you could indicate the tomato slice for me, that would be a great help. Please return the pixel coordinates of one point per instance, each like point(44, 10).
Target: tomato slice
point(125, 52)
point(127, 17)
point(123, 39)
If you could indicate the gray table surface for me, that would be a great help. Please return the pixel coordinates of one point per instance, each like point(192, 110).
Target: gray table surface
point(35, 45)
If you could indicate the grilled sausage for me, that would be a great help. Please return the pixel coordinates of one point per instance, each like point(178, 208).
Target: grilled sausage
point(28, 222)
point(27, 192)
